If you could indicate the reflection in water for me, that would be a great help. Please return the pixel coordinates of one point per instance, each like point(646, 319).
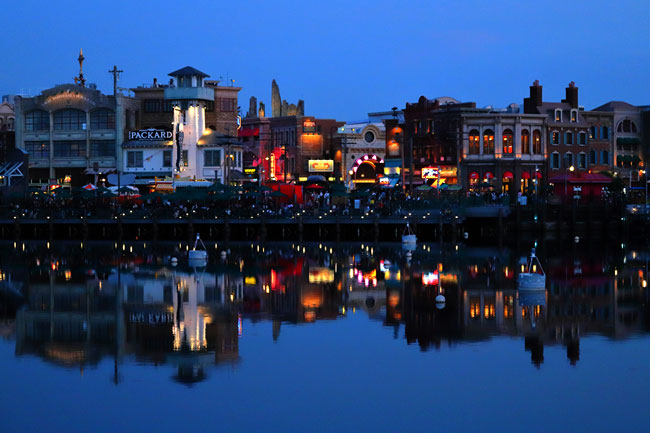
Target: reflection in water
point(76, 307)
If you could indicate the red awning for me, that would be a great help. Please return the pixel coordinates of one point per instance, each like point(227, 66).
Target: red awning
point(508, 175)
point(525, 175)
point(488, 175)
point(473, 175)
point(539, 175)
point(249, 132)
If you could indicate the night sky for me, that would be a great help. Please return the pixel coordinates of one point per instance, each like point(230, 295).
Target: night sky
point(344, 58)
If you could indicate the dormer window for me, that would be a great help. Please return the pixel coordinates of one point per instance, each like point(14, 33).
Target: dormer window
point(558, 115)
point(574, 116)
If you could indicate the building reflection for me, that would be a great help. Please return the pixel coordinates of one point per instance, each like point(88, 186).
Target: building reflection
point(137, 306)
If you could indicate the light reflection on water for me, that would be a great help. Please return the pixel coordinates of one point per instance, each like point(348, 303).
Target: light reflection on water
point(296, 323)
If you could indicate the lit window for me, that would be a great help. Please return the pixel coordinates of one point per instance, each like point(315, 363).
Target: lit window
point(525, 141)
point(537, 143)
point(488, 141)
point(558, 115)
point(574, 116)
point(555, 137)
point(474, 142)
point(507, 142)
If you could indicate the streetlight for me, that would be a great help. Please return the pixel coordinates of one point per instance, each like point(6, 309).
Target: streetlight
point(645, 180)
point(565, 180)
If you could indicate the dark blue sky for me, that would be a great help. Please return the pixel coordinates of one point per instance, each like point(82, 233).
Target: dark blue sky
point(344, 58)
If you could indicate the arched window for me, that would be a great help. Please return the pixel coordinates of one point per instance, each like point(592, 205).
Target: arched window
point(488, 141)
point(537, 142)
point(37, 120)
point(592, 132)
point(558, 115)
point(626, 126)
point(474, 142)
point(525, 141)
point(69, 120)
point(507, 142)
point(102, 119)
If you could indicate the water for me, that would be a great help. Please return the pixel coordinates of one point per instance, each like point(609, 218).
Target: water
point(271, 338)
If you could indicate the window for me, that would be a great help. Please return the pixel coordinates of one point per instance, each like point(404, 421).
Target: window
point(525, 141)
point(69, 120)
point(228, 104)
point(568, 159)
point(568, 138)
point(488, 141)
point(582, 160)
point(99, 148)
point(558, 115)
point(474, 142)
point(209, 107)
point(152, 106)
point(38, 149)
point(70, 149)
point(167, 158)
point(134, 159)
point(102, 119)
point(369, 137)
point(582, 139)
point(185, 157)
point(212, 158)
point(38, 120)
point(537, 143)
point(507, 142)
point(592, 133)
point(626, 126)
point(593, 157)
point(555, 137)
point(555, 160)
point(604, 157)
point(167, 106)
point(574, 116)
point(604, 133)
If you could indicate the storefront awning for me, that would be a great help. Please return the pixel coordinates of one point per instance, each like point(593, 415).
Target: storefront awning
point(508, 175)
point(392, 163)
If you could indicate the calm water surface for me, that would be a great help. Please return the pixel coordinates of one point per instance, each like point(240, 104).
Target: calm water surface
point(108, 337)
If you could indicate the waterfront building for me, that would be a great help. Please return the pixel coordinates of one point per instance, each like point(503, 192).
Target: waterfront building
point(73, 130)
point(363, 148)
point(458, 143)
point(627, 151)
point(181, 133)
point(572, 132)
point(288, 146)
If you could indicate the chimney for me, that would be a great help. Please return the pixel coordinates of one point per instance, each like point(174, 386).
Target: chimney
point(535, 100)
point(155, 82)
point(571, 95)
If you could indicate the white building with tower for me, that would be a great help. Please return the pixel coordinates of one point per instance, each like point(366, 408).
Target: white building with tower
point(190, 151)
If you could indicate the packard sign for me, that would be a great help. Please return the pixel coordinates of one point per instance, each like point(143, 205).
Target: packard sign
point(150, 134)
point(321, 165)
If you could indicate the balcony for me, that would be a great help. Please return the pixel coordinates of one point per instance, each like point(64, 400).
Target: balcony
point(189, 93)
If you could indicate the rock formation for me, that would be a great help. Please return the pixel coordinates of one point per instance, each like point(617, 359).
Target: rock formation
point(262, 111)
point(292, 110)
point(300, 109)
point(285, 108)
point(252, 107)
point(276, 104)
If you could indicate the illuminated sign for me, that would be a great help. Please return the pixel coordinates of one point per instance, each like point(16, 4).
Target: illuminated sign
point(251, 281)
point(309, 126)
point(321, 275)
point(384, 180)
point(67, 98)
point(430, 279)
point(272, 166)
point(251, 170)
point(429, 173)
point(150, 134)
point(321, 165)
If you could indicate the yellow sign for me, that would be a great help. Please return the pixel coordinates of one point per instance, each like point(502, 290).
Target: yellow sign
point(321, 165)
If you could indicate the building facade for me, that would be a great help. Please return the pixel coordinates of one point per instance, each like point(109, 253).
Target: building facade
point(181, 145)
point(70, 129)
point(628, 156)
point(572, 133)
point(363, 148)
